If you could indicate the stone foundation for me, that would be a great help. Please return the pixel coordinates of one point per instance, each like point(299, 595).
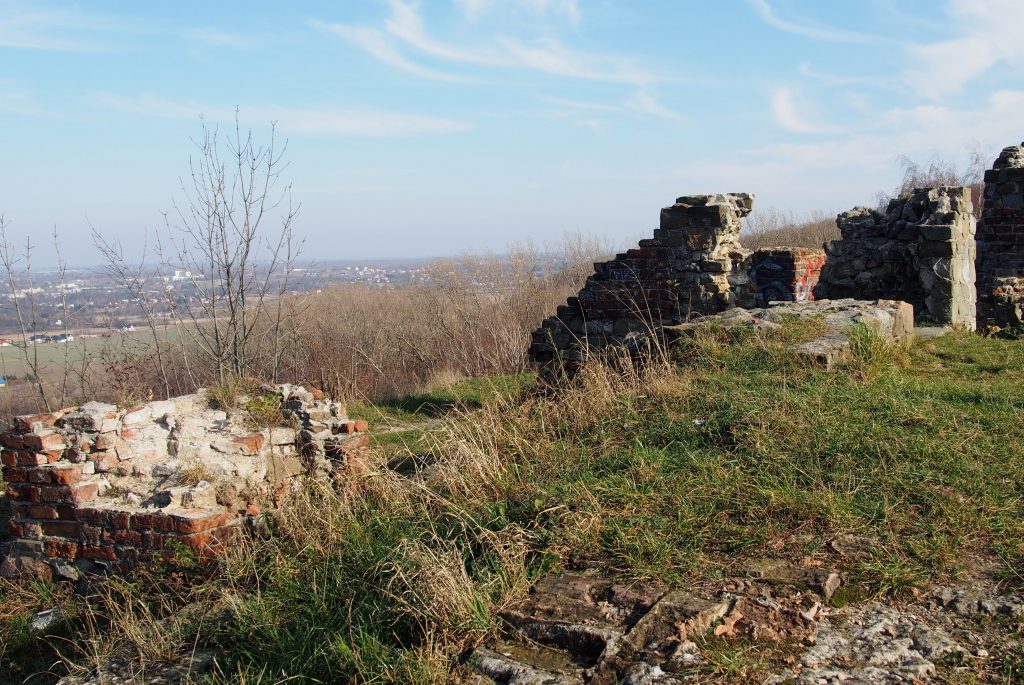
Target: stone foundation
point(1001, 242)
point(690, 267)
point(95, 488)
point(921, 250)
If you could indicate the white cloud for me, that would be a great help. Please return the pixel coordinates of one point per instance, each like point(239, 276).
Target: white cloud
point(336, 121)
point(808, 30)
point(645, 103)
point(60, 30)
point(791, 116)
point(378, 45)
point(990, 37)
point(473, 9)
point(545, 55)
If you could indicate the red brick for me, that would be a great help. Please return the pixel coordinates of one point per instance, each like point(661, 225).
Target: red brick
point(12, 441)
point(66, 475)
point(91, 535)
point(198, 520)
point(362, 426)
point(41, 443)
point(27, 458)
point(9, 458)
point(251, 444)
point(66, 529)
point(25, 493)
point(104, 461)
point(120, 520)
point(157, 522)
point(29, 422)
point(94, 516)
point(152, 540)
point(16, 474)
point(53, 456)
point(105, 441)
point(59, 494)
point(99, 552)
point(43, 511)
point(84, 492)
point(124, 537)
point(56, 547)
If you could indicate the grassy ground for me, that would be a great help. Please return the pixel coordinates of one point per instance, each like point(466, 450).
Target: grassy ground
point(734, 450)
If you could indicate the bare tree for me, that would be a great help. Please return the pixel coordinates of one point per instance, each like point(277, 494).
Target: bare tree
point(18, 273)
point(219, 236)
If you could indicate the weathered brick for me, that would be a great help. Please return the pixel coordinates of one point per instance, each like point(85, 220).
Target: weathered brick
point(16, 474)
point(67, 529)
point(157, 522)
point(101, 552)
point(198, 520)
point(42, 442)
point(57, 547)
point(32, 422)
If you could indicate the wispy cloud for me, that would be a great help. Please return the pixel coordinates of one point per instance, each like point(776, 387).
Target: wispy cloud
point(991, 36)
point(806, 29)
point(31, 28)
point(335, 121)
point(378, 45)
point(792, 117)
point(569, 9)
point(546, 55)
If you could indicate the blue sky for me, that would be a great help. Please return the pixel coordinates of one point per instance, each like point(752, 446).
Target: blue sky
point(433, 127)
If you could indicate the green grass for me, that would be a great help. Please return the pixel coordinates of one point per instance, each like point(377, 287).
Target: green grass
point(465, 394)
point(738, 450)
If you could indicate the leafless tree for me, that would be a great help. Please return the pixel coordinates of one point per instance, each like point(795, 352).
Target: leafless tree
point(18, 274)
point(220, 237)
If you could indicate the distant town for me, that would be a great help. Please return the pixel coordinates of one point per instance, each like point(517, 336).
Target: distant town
point(57, 308)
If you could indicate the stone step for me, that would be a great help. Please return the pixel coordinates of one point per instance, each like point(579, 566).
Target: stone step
point(510, 670)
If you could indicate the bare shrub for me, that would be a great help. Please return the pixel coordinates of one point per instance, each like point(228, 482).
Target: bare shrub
point(774, 228)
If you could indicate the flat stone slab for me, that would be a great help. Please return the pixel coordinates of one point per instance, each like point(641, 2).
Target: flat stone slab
point(890, 320)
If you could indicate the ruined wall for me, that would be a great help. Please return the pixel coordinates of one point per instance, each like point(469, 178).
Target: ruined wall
point(921, 250)
point(780, 274)
point(98, 488)
point(688, 268)
point(1001, 242)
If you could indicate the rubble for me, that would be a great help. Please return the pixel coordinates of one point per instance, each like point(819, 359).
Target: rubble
point(96, 487)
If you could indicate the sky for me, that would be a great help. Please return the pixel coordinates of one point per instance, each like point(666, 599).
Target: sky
point(431, 128)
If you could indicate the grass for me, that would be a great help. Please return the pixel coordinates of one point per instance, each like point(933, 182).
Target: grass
point(734, 451)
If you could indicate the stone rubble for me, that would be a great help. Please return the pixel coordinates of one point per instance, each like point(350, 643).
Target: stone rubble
point(97, 488)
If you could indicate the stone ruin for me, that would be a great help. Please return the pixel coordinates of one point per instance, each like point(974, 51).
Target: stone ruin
point(693, 266)
point(1001, 242)
point(96, 488)
point(920, 250)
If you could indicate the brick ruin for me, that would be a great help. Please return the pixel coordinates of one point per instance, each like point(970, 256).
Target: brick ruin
point(921, 250)
point(925, 249)
point(1001, 242)
point(686, 269)
point(95, 488)
point(781, 274)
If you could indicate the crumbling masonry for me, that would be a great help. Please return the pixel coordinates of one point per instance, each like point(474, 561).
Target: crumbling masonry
point(1001, 242)
point(689, 267)
point(921, 250)
point(95, 488)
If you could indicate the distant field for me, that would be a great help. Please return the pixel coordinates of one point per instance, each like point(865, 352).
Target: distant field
point(53, 356)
